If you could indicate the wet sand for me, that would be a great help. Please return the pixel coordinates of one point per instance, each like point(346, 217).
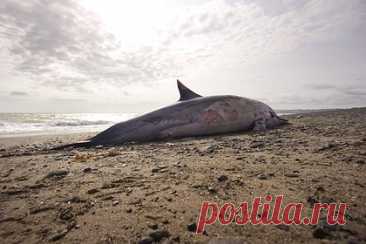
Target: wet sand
point(153, 192)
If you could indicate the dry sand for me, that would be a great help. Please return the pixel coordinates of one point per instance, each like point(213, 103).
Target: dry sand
point(124, 194)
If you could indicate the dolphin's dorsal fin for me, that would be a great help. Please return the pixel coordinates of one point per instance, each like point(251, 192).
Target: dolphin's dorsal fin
point(185, 92)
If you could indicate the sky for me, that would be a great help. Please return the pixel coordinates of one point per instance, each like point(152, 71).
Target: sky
point(125, 56)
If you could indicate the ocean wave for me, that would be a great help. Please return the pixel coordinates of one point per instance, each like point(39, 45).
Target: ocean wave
point(80, 123)
point(38, 124)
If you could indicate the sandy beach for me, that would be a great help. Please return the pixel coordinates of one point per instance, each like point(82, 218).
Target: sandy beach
point(154, 191)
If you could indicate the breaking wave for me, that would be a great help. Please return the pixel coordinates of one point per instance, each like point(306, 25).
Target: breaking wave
point(15, 124)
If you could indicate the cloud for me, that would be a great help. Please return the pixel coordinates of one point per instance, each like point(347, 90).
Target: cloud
point(67, 100)
point(319, 86)
point(18, 93)
point(355, 91)
point(66, 47)
point(61, 44)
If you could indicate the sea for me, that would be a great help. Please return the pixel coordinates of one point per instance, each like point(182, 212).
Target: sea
point(29, 124)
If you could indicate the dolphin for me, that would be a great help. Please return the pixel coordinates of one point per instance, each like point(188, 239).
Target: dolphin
point(192, 115)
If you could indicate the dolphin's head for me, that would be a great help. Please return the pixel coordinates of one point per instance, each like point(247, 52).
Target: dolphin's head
point(273, 120)
point(266, 118)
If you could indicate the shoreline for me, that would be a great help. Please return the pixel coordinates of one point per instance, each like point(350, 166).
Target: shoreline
point(287, 113)
point(123, 194)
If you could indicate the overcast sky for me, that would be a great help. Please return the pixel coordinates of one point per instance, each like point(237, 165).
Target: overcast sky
point(125, 56)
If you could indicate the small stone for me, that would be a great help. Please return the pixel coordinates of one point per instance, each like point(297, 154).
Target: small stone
point(106, 198)
point(283, 227)
point(66, 213)
point(262, 177)
point(226, 241)
point(115, 203)
point(192, 227)
point(257, 144)
point(222, 178)
point(58, 235)
point(93, 191)
point(312, 200)
point(75, 199)
point(57, 174)
point(159, 234)
point(146, 240)
point(324, 230)
point(153, 226)
point(319, 233)
point(360, 161)
point(176, 238)
point(87, 170)
point(292, 175)
point(327, 146)
point(212, 189)
point(108, 185)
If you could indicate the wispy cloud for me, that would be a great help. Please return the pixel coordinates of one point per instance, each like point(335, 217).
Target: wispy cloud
point(68, 46)
point(18, 93)
point(62, 44)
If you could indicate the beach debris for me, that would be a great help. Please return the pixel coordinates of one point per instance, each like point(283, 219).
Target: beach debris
point(222, 178)
point(153, 226)
point(66, 213)
point(8, 173)
point(92, 191)
point(212, 189)
point(158, 235)
point(40, 209)
point(14, 191)
point(87, 170)
point(159, 169)
point(75, 199)
point(262, 177)
point(109, 185)
point(115, 203)
point(58, 235)
point(312, 200)
point(192, 227)
point(112, 152)
point(57, 174)
point(326, 146)
point(283, 227)
point(227, 241)
point(82, 157)
point(324, 230)
point(146, 240)
point(209, 149)
point(62, 233)
point(292, 175)
point(257, 144)
point(360, 161)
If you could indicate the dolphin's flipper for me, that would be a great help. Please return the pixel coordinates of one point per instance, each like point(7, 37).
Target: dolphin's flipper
point(185, 92)
point(260, 125)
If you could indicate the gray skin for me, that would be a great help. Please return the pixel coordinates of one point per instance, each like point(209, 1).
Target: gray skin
point(191, 116)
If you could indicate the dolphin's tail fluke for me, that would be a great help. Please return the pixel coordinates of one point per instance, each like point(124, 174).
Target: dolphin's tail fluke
point(74, 145)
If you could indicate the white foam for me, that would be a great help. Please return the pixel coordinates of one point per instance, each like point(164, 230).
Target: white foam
point(18, 124)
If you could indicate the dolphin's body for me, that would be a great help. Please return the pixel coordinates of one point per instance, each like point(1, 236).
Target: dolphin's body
point(193, 115)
